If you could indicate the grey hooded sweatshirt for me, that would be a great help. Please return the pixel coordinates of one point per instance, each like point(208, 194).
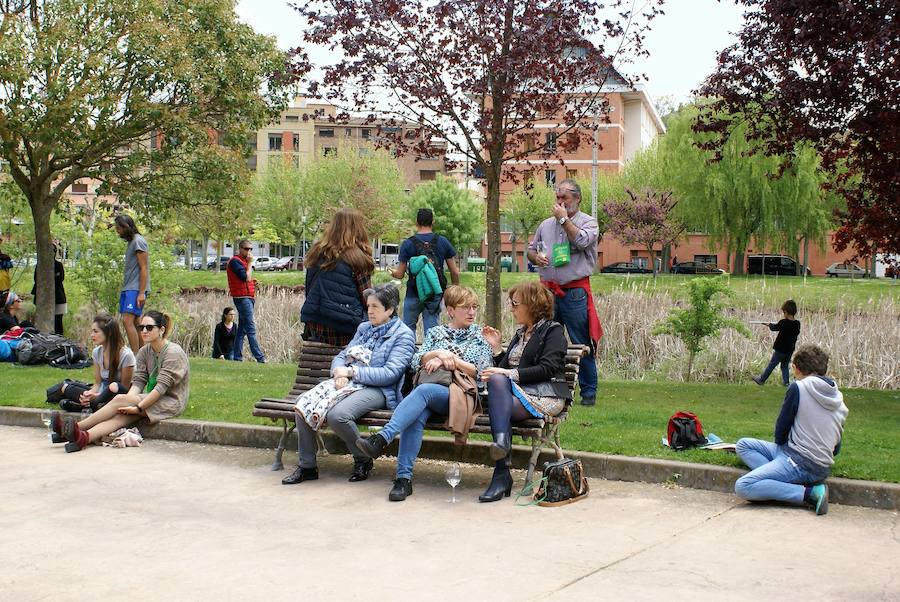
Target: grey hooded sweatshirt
point(811, 423)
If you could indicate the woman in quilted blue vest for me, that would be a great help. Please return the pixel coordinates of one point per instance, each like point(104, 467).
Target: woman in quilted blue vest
point(387, 345)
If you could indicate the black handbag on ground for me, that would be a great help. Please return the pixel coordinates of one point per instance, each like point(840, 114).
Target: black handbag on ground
point(563, 482)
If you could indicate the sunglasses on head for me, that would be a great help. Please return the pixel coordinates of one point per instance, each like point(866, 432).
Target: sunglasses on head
point(147, 327)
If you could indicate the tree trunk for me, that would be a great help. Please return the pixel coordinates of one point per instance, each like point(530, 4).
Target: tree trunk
point(45, 287)
point(205, 253)
point(295, 263)
point(738, 268)
point(666, 256)
point(652, 254)
point(805, 255)
point(492, 271)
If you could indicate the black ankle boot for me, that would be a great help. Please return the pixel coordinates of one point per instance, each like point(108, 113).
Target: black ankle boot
point(361, 470)
point(500, 447)
point(401, 490)
point(300, 475)
point(501, 485)
point(373, 446)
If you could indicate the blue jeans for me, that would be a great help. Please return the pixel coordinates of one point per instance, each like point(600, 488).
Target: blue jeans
point(773, 474)
point(571, 311)
point(409, 422)
point(430, 312)
point(246, 326)
point(778, 358)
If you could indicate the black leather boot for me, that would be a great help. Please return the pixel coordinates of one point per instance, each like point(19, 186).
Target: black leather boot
point(300, 475)
point(361, 470)
point(401, 490)
point(501, 485)
point(373, 446)
point(500, 447)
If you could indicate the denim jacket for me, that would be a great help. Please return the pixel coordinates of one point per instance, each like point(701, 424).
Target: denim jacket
point(390, 358)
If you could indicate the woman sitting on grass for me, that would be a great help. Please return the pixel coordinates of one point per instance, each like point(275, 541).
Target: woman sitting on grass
point(113, 369)
point(159, 389)
point(223, 338)
point(391, 344)
point(528, 380)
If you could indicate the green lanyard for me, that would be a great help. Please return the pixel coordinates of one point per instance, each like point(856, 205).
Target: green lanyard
point(151, 380)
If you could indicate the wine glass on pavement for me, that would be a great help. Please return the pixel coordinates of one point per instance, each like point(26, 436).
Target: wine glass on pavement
point(45, 418)
point(453, 479)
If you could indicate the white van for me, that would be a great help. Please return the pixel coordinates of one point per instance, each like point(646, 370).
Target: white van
point(387, 256)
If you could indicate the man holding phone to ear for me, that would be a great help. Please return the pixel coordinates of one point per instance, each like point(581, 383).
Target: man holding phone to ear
point(569, 243)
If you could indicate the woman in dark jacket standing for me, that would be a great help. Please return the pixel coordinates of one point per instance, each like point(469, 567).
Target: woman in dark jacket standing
point(528, 380)
point(339, 269)
point(59, 275)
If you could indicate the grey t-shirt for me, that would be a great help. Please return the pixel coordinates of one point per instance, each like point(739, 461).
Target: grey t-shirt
point(132, 270)
point(126, 360)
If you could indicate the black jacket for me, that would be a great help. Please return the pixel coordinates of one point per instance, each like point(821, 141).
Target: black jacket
point(59, 274)
point(543, 359)
point(332, 299)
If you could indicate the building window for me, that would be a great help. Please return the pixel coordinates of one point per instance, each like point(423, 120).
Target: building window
point(550, 177)
point(296, 141)
point(366, 133)
point(292, 118)
point(391, 129)
point(348, 132)
point(78, 188)
point(427, 175)
point(571, 174)
point(326, 133)
point(274, 142)
point(638, 260)
point(329, 150)
point(531, 143)
point(550, 142)
point(707, 259)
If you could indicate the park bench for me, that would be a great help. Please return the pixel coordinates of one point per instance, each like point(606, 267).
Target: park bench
point(315, 365)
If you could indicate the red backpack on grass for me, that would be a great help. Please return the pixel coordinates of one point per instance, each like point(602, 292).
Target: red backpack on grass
point(684, 431)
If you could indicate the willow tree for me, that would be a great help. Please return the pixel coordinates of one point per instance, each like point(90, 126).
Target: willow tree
point(125, 92)
point(477, 74)
point(742, 196)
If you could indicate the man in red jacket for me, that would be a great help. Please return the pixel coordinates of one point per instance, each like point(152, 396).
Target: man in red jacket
point(243, 290)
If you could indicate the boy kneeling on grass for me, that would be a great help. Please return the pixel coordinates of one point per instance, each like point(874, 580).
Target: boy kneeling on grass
point(807, 437)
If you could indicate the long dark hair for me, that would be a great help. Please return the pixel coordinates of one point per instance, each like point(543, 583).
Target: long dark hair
point(126, 223)
point(225, 313)
point(114, 342)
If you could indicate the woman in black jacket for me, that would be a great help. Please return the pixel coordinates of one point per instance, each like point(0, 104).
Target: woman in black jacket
point(223, 337)
point(528, 380)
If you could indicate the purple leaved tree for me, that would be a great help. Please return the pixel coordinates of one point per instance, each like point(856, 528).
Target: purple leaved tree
point(477, 74)
point(645, 220)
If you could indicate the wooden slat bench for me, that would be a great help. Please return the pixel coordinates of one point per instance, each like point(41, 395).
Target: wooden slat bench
point(315, 366)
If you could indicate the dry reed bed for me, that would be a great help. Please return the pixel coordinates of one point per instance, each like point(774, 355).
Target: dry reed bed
point(863, 345)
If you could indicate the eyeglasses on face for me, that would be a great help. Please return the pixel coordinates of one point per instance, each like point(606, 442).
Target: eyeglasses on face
point(513, 302)
point(147, 327)
point(246, 248)
point(468, 307)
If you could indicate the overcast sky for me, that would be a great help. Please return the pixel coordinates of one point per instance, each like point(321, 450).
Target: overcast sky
point(683, 44)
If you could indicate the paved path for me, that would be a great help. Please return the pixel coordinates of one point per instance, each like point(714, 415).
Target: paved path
point(178, 521)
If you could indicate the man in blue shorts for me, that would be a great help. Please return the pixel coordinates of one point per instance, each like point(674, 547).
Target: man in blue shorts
point(136, 285)
point(439, 250)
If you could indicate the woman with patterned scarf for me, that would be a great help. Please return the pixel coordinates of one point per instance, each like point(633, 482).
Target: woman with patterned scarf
point(378, 382)
point(454, 346)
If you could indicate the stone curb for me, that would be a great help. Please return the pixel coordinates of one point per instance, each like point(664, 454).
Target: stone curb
point(851, 492)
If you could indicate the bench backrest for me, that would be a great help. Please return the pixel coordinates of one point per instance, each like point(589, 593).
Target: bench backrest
point(315, 365)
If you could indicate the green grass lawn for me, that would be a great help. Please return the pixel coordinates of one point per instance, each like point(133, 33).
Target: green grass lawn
point(630, 417)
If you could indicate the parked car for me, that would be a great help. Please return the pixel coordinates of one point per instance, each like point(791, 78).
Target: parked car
point(223, 262)
point(285, 264)
point(264, 264)
point(845, 270)
point(696, 267)
point(773, 265)
point(625, 267)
